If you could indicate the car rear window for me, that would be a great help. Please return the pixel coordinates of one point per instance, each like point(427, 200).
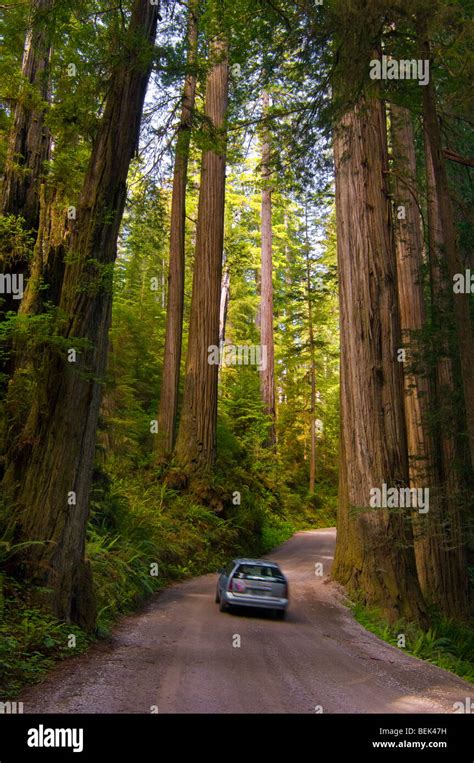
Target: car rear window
point(252, 571)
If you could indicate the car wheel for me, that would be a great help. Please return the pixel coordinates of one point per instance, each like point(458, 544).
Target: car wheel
point(218, 598)
point(280, 614)
point(222, 604)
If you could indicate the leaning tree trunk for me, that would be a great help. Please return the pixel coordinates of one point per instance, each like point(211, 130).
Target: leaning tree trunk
point(174, 314)
point(461, 307)
point(196, 441)
point(49, 468)
point(267, 375)
point(374, 552)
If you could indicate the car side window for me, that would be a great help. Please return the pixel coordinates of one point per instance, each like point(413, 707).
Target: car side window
point(229, 568)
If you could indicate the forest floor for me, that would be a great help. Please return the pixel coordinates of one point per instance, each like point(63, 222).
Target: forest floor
point(179, 654)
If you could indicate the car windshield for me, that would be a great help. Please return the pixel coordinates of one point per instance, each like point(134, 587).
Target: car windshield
point(258, 571)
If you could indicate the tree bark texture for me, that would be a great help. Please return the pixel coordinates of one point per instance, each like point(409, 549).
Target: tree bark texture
point(374, 552)
point(49, 469)
point(267, 374)
point(196, 441)
point(461, 305)
point(439, 555)
point(174, 312)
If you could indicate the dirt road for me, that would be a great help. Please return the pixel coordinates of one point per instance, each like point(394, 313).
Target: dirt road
point(181, 655)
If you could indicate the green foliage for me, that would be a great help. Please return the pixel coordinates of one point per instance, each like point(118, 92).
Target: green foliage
point(275, 532)
point(16, 243)
point(31, 641)
point(302, 243)
point(446, 643)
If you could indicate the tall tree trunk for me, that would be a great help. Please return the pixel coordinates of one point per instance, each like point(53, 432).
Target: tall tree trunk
point(439, 558)
point(267, 375)
point(29, 139)
point(49, 467)
point(196, 441)
point(312, 355)
point(374, 551)
point(28, 146)
point(449, 581)
point(454, 264)
point(174, 315)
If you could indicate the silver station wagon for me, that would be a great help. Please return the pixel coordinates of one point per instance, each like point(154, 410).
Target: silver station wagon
point(253, 583)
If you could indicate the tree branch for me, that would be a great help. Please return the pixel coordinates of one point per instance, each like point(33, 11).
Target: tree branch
point(454, 157)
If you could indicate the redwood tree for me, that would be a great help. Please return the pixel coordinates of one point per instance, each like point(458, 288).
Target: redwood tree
point(174, 313)
point(49, 464)
point(461, 308)
point(374, 552)
point(446, 564)
point(267, 375)
point(196, 441)
point(29, 139)
point(312, 373)
point(439, 552)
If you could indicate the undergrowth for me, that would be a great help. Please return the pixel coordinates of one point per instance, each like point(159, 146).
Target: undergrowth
point(447, 643)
